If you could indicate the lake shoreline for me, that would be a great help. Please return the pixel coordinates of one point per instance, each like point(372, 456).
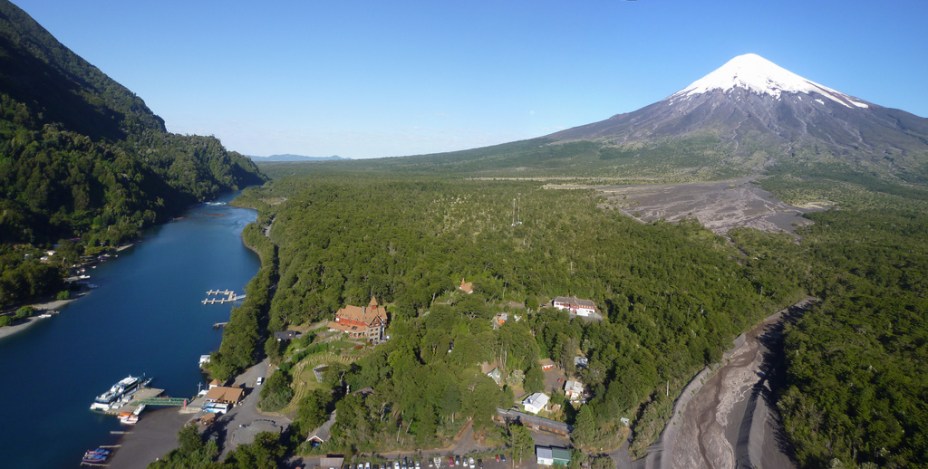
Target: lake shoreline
point(45, 306)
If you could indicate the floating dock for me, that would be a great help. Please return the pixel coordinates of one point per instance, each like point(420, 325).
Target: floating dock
point(221, 296)
point(137, 398)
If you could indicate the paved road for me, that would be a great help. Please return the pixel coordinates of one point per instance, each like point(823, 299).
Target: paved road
point(464, 446)
point(245, 421)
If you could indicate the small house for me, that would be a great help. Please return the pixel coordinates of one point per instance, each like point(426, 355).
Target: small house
point(322, 434)
point(552, 456)
point(546, 364)
point(535, 403)
point(224, 395)
point(573, 389)
point(466, 287)
point(574, 305)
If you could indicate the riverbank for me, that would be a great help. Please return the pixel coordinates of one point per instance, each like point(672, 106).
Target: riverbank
point(145, 318)
point(55, 305)
point(155, 435)
point(724, 417)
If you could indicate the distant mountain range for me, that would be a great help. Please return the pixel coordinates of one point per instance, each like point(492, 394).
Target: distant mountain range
point(746, 117)
point(294, 158)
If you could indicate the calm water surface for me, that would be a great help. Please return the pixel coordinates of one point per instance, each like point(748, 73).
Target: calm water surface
point(146, 317)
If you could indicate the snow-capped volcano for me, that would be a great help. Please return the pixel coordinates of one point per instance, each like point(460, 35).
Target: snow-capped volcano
point(751, 113)
point(759, 75)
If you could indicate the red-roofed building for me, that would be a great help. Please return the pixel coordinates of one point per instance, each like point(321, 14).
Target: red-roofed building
point(362, 322)
point(466, 287)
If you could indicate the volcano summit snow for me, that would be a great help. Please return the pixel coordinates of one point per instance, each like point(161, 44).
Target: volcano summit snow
point(751, 113)
point(759, 75)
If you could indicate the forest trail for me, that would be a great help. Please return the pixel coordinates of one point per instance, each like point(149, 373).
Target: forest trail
point(726, 419)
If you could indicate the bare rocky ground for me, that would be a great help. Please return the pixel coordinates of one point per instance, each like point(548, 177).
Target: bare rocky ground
point(719, 206)
point(726, 418)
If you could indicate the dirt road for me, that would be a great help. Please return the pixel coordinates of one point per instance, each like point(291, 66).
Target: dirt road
point(726, 419)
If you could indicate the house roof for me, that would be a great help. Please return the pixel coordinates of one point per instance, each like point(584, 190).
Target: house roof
point(332, 461)
point(573, 385)
point(546, 362)
point(543, 452)
point(225, 394)
point(363, 314)
point(324, 432)
point(574, 301)
point(560, 454)
point(539, 400)
point(466, 287)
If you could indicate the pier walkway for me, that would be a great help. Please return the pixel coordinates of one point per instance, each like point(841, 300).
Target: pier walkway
point(163, 401)
point(221, 296)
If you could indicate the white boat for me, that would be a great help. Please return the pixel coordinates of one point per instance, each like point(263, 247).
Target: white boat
point(119, 393)
point(131, 418)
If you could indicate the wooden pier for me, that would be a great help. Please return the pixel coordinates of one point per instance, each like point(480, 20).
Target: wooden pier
point(219, 325)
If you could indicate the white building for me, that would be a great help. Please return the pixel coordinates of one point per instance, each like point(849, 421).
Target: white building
point(536, 402)
point(574, 305)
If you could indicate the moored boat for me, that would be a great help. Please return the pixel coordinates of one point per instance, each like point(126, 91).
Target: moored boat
point(96, 456)
point(119, 393)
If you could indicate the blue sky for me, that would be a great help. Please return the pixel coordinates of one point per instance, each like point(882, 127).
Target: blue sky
point(366, 79)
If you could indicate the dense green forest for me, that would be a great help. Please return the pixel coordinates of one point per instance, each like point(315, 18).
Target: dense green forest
point(856, 364)
point(82, 158)
point(673, 295)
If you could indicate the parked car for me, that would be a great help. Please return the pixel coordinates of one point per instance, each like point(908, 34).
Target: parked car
point(450, 461)
point(417, 465)
point(260, 381)
point(502, 457)
point(470, 462)
point(457, 460)
point(479, 463)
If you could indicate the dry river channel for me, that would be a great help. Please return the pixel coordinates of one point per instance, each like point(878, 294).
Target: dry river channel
point(726, 418)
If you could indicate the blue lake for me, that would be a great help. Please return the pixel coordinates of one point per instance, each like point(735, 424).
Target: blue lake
point(145, 318)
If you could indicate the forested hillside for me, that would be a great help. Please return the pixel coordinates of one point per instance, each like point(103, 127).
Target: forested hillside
point(84, 159)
